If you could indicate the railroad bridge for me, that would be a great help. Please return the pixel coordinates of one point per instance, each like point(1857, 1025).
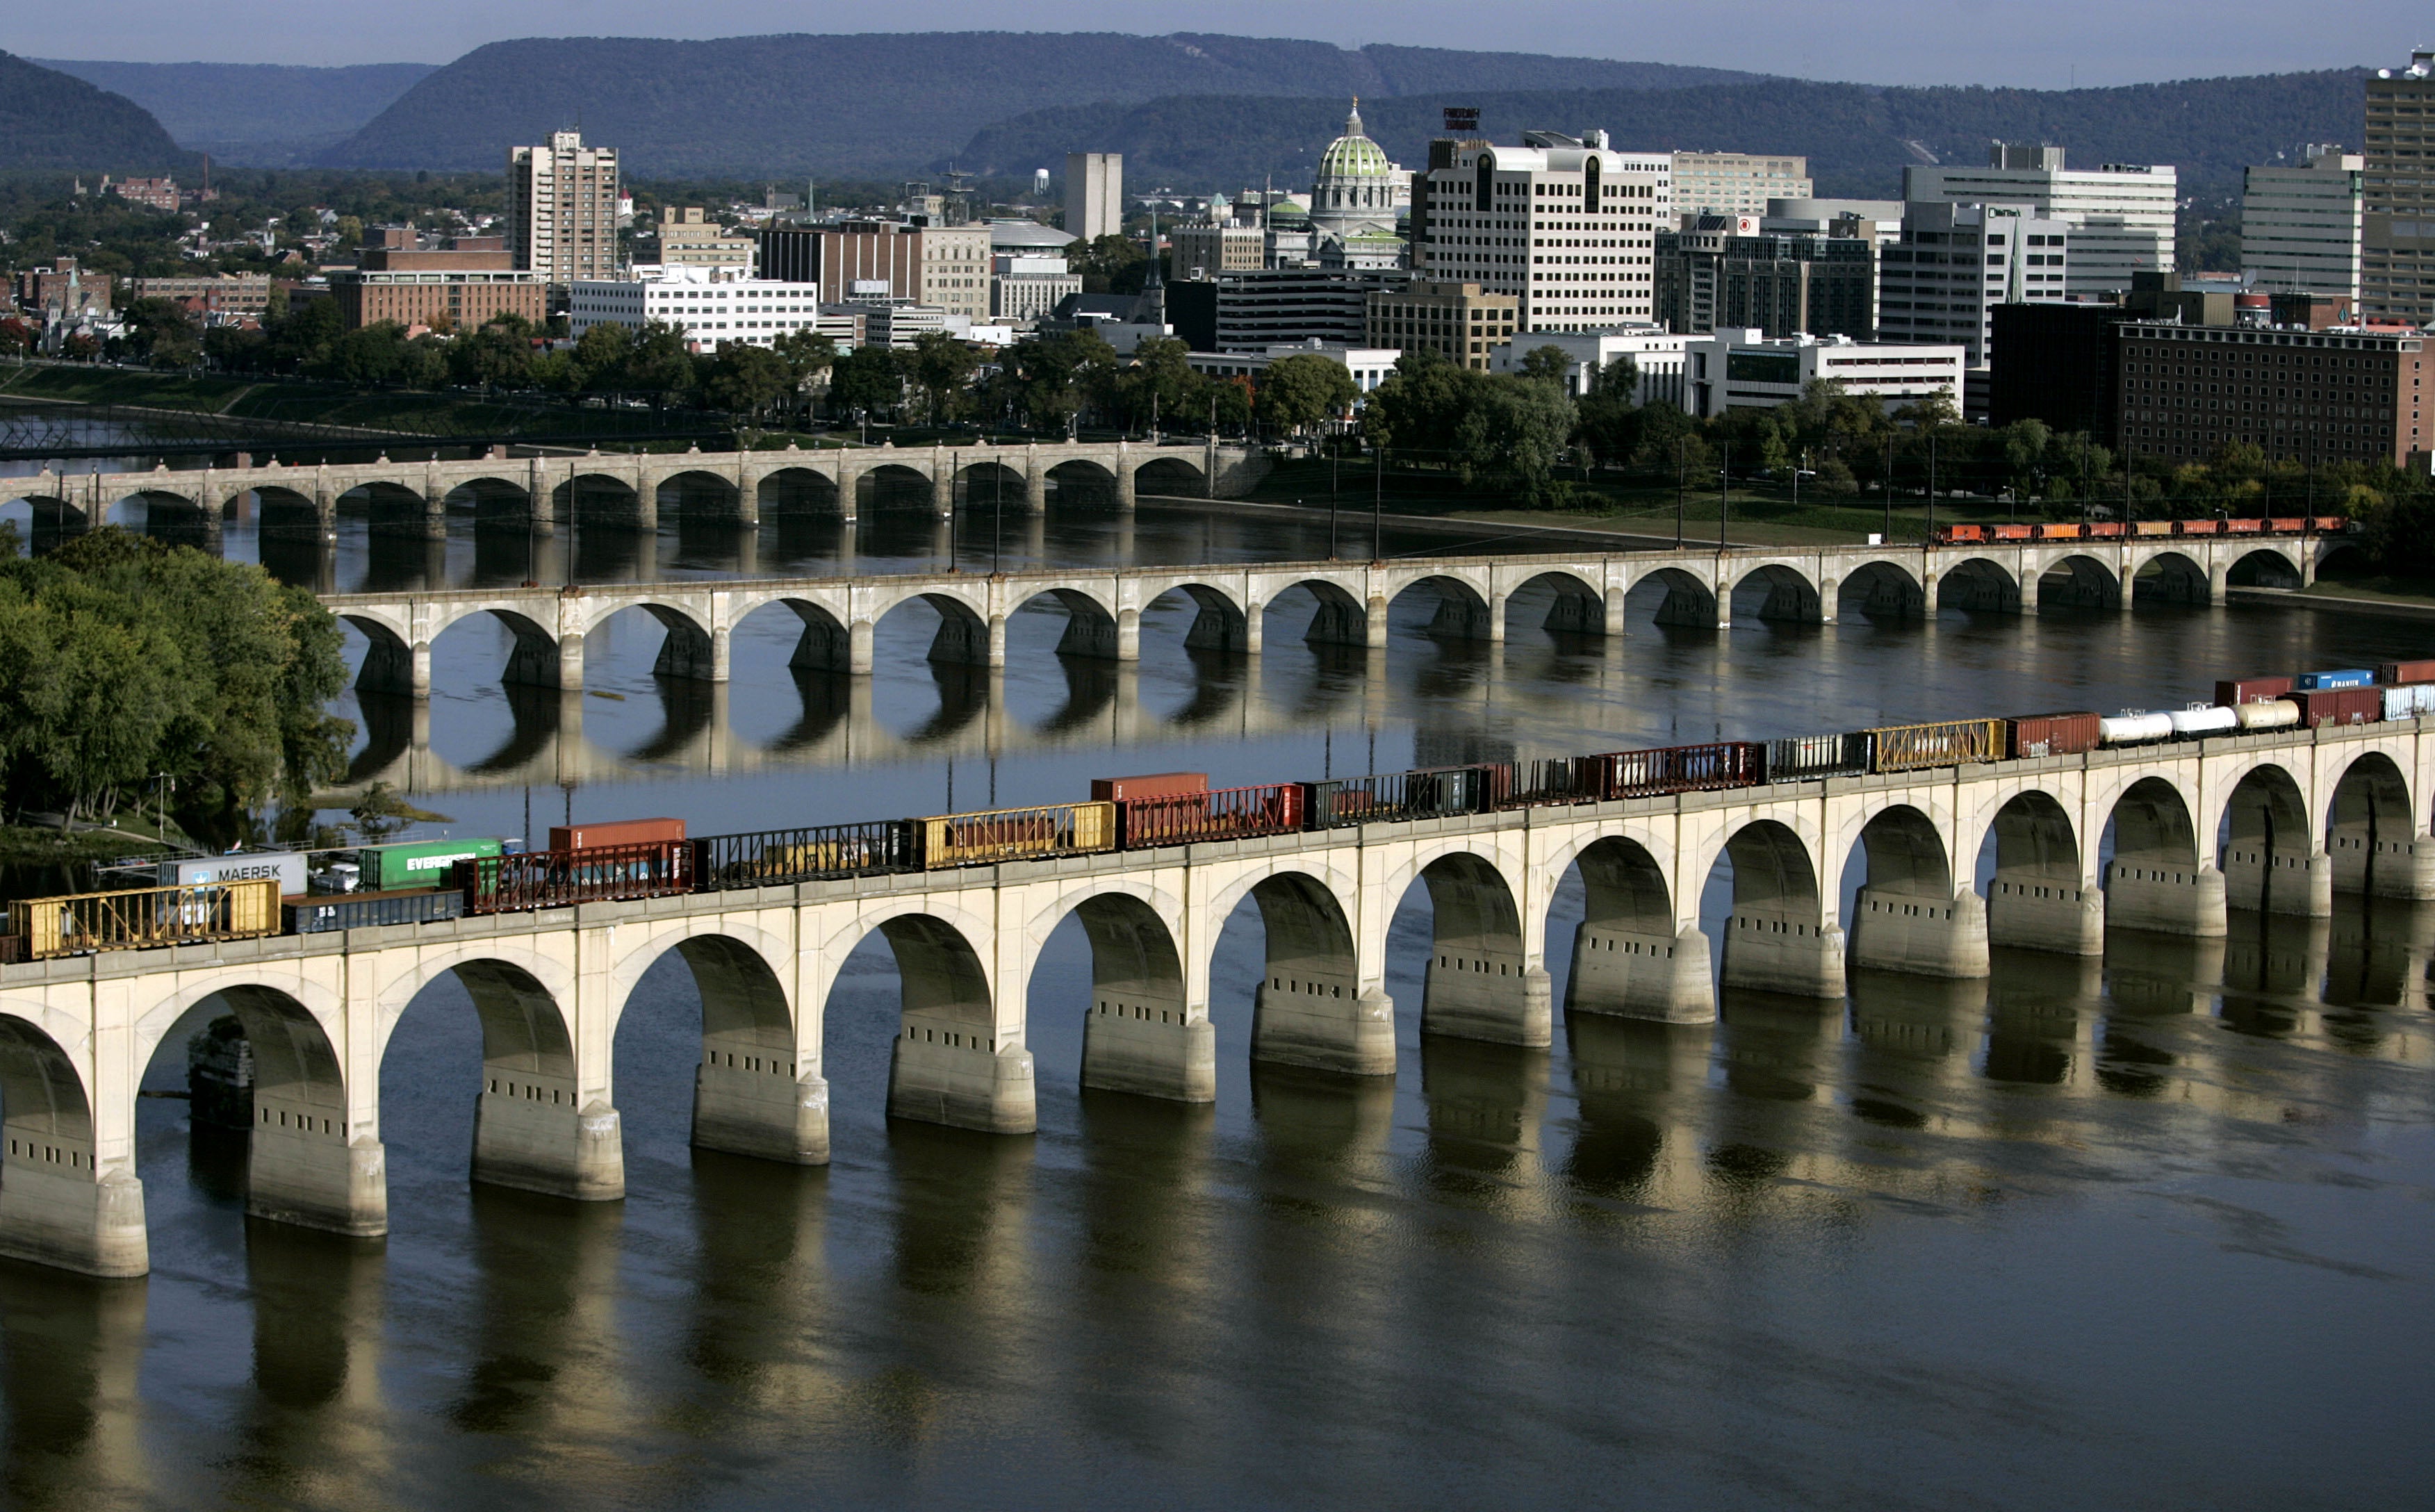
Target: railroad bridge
point(1951, 861)
point(1588, 593)
point(411, 496)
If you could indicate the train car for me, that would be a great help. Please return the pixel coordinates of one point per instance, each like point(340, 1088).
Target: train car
point(1808, 757)
point(981, 838)
point(1943, 743)
point(2030, 736)
point(2394, 674)
point(288, 869)
point(363, 910)
point(1552, 779)
point(1211, 814)
point(2232, 692)
point(2014, 532)
point(1428, 793)
point(2134, 727)
point(2340, 706)
point(2057, 531)
point(416, 864)
point(2198, 720)
point(142, 918)
point(2409, 701)
point(2267, 713)
point(1157, 784)
point(2244, 527)
point(778, 858)
point(2345, 678)
point(1678, 768)
point(562, 879)
point(617, 832)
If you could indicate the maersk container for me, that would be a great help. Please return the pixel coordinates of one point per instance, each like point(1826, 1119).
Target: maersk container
point(2325, 682)
point(2203, 719)
point(285, 868)
point(362, 910)
point(2409, 701)
point(418, 864)
point(2135, 729)
point(2267, 714)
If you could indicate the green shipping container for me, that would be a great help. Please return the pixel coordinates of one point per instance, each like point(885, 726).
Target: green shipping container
point(424, 863)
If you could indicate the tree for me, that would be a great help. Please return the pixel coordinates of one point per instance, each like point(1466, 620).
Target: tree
point(1049, 377)
point(870, 378)
point(1546, 364)
point(1110, 265)
point(163, 333)
point(940, 366)
point(746, 380)
point(1298, 393)
point(1608, 415)
point(16, 337)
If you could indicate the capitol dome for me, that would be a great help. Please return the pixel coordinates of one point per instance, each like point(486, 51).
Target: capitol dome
point(1359, 188)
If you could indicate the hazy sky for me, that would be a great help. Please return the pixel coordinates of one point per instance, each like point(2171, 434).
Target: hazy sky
point(2041, 44)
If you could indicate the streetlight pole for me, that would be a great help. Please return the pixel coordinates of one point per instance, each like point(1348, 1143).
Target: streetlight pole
point(1682, 487)
point(1889, 481)
point(1724, 494)
point(1377, 506)
point(997, 521)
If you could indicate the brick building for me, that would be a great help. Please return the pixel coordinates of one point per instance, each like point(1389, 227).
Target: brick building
point(2308, 396)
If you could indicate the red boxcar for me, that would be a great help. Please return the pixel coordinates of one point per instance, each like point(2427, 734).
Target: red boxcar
point(2244, 527)
point(2288, 527)
point(2234, 692)
point(2106, 528)
point(1952, 534)
point(1157, 784)
point(1226, 814)
point(2340, 706)
point(2332, 524)
point(2394, 673)
point(617, 831)
point(2193, 527)
point(2050, 734)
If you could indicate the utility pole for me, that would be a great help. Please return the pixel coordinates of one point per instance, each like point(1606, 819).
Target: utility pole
point(1377, 505)
point(1890, 488)
point(1681, 487)
point(1724, 494)
point(1931, 483)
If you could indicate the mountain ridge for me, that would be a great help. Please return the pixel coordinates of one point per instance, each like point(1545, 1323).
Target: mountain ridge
point(249, 113)
point(54, 122)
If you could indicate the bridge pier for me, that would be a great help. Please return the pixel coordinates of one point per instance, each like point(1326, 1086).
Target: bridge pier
point(2032, 913)
point(1633, 973)
point(526, 1136)
point(1773, 951)
point(2365, 863)
point(1893, 930)
point(942, 484)
point(945, 1070)
point(2278, 881)
point(70, 1218)
point(1322, 1022)
point(2169, 898)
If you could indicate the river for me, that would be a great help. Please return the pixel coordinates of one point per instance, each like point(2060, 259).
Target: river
point(2157, 1231)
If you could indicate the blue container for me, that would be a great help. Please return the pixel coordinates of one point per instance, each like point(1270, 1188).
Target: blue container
point(2320, 682)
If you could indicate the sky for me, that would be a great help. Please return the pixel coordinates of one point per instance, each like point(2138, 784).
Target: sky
point(2032, 43)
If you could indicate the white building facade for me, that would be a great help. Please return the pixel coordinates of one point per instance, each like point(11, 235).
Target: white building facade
point(706, 304)
point(1657, 354)
point(2302, 229)
point(2120, 217)
point(1736, 183)
point(1369, 366)
point(1094, 195)
point(1742, 369)
point(1566, 225)
point(1941, 280)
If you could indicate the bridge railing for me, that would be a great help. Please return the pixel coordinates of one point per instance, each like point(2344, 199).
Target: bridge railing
point(774, 858)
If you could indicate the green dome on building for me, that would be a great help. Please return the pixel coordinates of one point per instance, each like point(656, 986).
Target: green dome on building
point(1359, 189)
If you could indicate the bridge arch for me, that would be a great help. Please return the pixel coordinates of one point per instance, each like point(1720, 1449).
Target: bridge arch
point(1909, 913)
point(1773, 590)
point(1484, 979)
point(891, 486)
point(962, 636)
point(797, 490)
point(1572, 604)
point(1669, 595)
point(52, 1210)
point(992, 482)
point(1172, 477)
point(2269, 843)
point(532, 661)
point(280, 510)
point(1463, 613)
point(823, 644)
point(2035, 896)
point(1339, 618)
point(949, 1062)
point(1081, 481)
point(43, 519)
point(491, 500)
point(697, 497)
point(746, 1099)
point(388, 508)
point(2169, 578)
point(602, 500)
point(1141, 1031)
point(687, 648)
point(177, 518)
point(2158, 879)
point(2266, 566)
point(1092, 628)
point(1310, 1008)
point(2077, 581)
point(1977, 583)
point(1881, 590)
point(1219, 621)
point(1632, 956)
point(2371, 823)
point(1776, 937)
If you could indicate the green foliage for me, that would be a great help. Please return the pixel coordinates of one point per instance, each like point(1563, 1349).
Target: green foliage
point(870, 378)
point(1112, 264)
point(1504, 425)
point(123, 660)
point(942, 367)
point(747, 380)
point(1296, 393)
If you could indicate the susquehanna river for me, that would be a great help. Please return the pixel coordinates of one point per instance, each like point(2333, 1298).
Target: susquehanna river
point(2151, 1232)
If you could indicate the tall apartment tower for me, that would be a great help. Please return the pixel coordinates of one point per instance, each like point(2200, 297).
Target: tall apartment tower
point(2397, 272)
point(562, 209)
point(2120, 215)
point(1566, 225)
point(2301, 228)
point(1094, 193)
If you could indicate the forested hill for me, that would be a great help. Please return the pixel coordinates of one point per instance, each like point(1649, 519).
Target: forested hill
point(49, 121)
point(1857, 138)
point(253, 112)
point(889, 103)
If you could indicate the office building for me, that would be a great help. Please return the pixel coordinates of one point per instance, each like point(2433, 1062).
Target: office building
point(234, 293)
point(1369, 366)
point(2306, 396)
point(1565, 225)
point(2301, 228)
point(707, 306)
point(562, 209)
point(1287, 306)
point(1736, 183)
point(1023, 289)
point(948, 267)
point(1206, 251)
point(432, 292)
point(2119, 216)
point(1785, 284)
point(1954, 264)
point(1657, 354)
point(1461, 322)
point(2058, 367)
point(2397, 230)
point(691, 238)
point(1094, 195)
point(62, 284)
point(1743, 370)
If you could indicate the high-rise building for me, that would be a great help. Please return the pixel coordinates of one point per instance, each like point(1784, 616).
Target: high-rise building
point(1731, 370)
point(2397, 230)
point(1736, 183)
point(2300, 228)
point(689, 237)
point(1942, 281)
point(1709, 276)
point(2120, 217)
point(1460, 322)
point(1094, 193)
point(944, 266)
point(1566, 224)
point(1287, 306)
point(562, 209)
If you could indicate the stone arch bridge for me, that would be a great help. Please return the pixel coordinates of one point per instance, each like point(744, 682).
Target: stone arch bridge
point(2276, 822)
point(1584, 593)
point(410, 496)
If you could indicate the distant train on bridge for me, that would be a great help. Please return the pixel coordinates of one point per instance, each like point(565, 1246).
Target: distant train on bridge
point(2321, 524)
point(260, 893)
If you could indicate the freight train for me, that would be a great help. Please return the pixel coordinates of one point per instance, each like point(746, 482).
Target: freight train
point(241, 897)
point(2323, 524)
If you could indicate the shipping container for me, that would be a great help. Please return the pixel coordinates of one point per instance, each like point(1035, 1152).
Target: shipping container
point(1945, 743)
point(775, 858)
point(285, 868)
point(2346, 678)
point(2267, 713)
point(1226, 814)
point(2028, 736)
point(615, 832)
point(2134, 727)
point(1806, 758)
point(2396, 673)
point(141, 917)
point(2249, 690)
point(1432, 792)
point(2340, 706)
point(1157, 784)
point(2410, 700)
point(1678, 768)
point(418, 864)
point(2201, 720)
point(364, 910)
point(1017, 835)
point(562, 879)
